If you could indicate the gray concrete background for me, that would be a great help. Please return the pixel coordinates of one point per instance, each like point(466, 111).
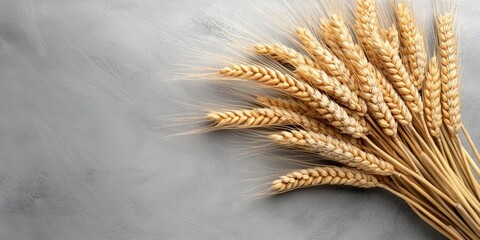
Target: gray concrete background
point(83, 89)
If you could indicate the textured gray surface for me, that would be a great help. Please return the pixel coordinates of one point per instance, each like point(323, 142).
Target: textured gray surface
point(82, 88)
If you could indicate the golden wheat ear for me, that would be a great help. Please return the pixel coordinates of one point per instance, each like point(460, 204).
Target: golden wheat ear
point(413, 46)
point(322, 175)
point(432, 95)
point(449, 72)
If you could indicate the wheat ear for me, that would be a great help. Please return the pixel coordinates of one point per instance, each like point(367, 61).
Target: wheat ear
point(338, 37)
point(328, 109)
point(285, 55)
point(449, 73)
point(412, 44)
point(268, 117)
point(432, 94)
point(397, 74)
point(333, 88)
point(328, 61)
point(288, 103)
point(366, 24)
point(323, 176)
point(335, 149)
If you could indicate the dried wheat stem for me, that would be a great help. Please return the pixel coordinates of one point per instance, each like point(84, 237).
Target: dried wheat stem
point(470, 142)
point(407, 170)
point(328, 61)
point(328, 109)
point(432, 92)
point(449, 73)
point(426, 215)
point(333, 88)
point(323, 176)
point(412, 44)
point(337, 149)
point(340, 39)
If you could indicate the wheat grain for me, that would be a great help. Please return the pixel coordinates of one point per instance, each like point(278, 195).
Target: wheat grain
point(412, 44)
point(335, 149)
point(432, 95)
point(323, 176)
point(333, 88)
point(328, 109)
point(338, 37)
point(449, 73)
point(391, 35)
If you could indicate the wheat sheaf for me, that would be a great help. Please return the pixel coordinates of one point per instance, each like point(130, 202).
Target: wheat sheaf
point(362, 88)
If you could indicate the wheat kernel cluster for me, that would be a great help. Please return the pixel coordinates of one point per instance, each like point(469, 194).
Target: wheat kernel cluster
point(371, 95)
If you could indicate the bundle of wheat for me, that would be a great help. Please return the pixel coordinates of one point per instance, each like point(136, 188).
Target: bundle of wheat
point(364, 94)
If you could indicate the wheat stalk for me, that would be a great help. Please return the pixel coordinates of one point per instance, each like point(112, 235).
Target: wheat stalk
point(323, 175)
